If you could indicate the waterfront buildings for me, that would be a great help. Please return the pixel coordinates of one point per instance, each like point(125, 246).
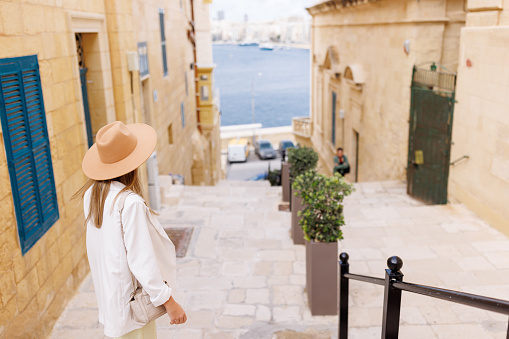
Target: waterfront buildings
point(415, 91)
point(286, 30)
point(66, 69)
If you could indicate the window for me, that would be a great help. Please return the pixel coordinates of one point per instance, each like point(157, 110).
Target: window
point(170, 134)
point(143, 56)
point(204, 93)
point(187, 84)
point(182, 114)
point(334, 118)
point(27, 148)
point(163, 41)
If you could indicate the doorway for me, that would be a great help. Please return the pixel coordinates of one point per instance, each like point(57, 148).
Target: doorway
point(429, 144)
point(356, 156)
point(84, 92)
point(145, 102)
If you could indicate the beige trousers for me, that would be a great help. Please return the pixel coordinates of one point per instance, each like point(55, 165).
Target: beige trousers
point(148, 331)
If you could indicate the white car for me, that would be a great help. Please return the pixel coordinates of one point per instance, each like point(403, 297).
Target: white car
point(237, 153)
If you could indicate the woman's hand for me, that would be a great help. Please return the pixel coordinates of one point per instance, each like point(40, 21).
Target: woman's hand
point(175, 311)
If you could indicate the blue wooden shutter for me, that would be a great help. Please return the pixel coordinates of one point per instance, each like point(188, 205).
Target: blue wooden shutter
point(27, 148)
point(334, 118)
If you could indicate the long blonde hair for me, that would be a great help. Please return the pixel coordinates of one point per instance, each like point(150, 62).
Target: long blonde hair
point(100, 190)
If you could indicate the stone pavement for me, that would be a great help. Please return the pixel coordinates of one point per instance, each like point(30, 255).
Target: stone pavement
point(243, 277)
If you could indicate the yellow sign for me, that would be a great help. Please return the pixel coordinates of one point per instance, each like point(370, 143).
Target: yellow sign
point(207, 1)
point(419, 158)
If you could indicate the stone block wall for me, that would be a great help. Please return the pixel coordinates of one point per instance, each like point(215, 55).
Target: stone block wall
point(376, 100)
point(166, 93)
point(481, 118)
point(36, 286)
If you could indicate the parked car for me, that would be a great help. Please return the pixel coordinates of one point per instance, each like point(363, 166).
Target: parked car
point(238, 150)
point(265, 150)
point(284, 145)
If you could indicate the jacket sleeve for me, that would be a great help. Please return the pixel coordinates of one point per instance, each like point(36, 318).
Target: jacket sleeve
point(141, 256)
point(345, 163)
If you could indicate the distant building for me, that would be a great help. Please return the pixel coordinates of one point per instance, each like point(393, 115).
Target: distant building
point(287, 30)
point(220, 15)
point(246, 19)
point(66, 70)
point(415, 91)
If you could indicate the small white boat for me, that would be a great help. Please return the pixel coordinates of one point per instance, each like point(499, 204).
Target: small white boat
point(267, 47)
point(248, 43)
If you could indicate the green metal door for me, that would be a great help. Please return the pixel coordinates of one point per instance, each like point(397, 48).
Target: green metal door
point(431, 115)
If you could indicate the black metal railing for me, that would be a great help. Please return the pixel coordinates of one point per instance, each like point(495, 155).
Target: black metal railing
point(393, 286)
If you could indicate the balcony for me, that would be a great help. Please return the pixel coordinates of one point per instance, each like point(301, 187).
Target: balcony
point(302, 127)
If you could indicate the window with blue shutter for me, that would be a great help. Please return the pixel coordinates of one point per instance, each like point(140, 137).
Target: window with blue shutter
point(27, 148)
point(163, 41)
point(334, 118)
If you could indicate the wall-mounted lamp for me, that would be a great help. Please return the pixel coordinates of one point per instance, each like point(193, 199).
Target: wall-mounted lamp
point(406, 46)
point(341, 113)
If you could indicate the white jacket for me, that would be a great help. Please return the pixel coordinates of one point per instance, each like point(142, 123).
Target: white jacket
point(150, 255)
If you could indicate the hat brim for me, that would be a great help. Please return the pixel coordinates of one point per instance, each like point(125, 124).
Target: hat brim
point(95, 169)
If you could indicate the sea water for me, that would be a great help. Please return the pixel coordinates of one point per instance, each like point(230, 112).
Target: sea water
point(281, 84)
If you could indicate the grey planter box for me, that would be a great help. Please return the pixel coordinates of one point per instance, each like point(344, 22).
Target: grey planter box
point(322, 277)
point(297, 233)
point(285, 181)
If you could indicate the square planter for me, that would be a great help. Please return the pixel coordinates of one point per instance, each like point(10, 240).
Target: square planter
point(285, 181)
point(322, 277)
point(297, 233)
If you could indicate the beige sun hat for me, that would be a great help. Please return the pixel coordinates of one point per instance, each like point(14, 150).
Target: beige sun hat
point(118, 150)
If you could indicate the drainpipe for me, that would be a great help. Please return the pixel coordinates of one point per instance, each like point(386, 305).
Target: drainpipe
point(191, 34)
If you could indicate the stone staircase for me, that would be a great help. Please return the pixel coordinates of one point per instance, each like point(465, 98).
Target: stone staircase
point(242, 276)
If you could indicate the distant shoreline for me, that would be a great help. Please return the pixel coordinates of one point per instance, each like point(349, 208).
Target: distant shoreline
point(278, 44)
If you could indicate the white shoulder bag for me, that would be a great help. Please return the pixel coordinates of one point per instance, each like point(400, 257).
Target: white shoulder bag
point(142, 310)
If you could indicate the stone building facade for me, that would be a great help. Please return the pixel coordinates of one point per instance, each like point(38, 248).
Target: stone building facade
point(362, 72)
point(364, 55)
point(66, 69)
point(481, 122)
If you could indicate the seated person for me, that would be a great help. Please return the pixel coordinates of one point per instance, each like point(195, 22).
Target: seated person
point(341, 164)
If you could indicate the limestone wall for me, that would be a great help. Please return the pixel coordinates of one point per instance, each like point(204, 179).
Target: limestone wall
point(164, 95)
point(376, 99)
point(481, 118)
point(36, 286)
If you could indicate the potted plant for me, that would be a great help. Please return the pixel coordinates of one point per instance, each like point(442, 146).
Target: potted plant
point(321, 221)
point(301, 160)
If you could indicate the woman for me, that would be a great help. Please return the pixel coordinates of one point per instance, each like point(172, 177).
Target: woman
point(129, 239)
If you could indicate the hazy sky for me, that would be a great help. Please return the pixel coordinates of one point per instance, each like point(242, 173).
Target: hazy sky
point(259, 10)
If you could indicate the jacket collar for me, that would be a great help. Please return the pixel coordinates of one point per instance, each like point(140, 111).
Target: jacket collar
point(116, 186)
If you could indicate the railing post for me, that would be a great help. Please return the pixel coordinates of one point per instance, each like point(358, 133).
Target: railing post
point(344, 267)
point(392, 299)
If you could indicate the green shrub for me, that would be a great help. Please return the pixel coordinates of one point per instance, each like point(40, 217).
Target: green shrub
point(322, 214)
point(301, 159)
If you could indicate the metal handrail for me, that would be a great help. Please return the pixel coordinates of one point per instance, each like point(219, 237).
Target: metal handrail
point(473, 300)
point(459, 159)
point(365, 278)
point(393, 286)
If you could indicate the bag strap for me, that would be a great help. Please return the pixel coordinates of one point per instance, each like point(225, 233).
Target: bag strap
point(121, 203)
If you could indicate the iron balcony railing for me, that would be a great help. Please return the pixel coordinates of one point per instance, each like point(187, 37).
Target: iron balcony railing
point(435, 77)
point(393, 286)
point(302, 127)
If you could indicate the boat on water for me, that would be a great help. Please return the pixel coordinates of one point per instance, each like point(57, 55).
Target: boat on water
point(267, 47)
point(248, 43)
